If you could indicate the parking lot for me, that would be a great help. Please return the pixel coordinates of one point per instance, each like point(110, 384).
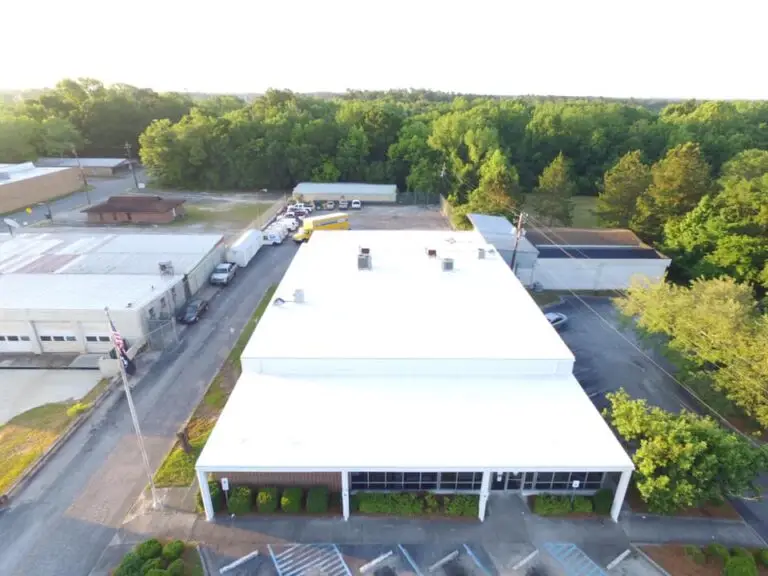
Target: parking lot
point(397, 217)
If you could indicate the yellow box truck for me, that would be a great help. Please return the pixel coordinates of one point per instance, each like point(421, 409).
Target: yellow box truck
point(335, 221)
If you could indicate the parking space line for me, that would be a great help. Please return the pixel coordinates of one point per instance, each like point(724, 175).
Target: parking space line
point(341, 559)
point(284, 552)
point(274, 560)
point(410, 560)
point(476, 560)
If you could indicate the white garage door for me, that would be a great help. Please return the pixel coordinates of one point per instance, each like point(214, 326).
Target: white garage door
point(16, 343)
point(96, 337)
point(57, 337)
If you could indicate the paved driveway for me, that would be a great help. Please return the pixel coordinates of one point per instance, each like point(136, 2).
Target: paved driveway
point(21, 390)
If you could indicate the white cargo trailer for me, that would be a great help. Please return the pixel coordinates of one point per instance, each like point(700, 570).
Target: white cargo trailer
point(245, 248)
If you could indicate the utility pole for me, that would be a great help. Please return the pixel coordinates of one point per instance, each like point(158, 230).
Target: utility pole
point(518, 235)
point(82, 175)
point(130, 164)
point(119, 353)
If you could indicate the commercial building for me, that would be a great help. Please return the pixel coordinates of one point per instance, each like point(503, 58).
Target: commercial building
point(410, 360)
point(94, 167)
point(136, 210)
point(54, 287)
point(24, 185)
point(320, 192)
point(573, 258)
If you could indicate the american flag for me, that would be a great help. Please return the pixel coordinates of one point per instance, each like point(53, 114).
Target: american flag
point(118, 341)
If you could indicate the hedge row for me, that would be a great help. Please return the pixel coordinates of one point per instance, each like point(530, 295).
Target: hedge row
point(735, 562)
point(415, 504)
point(244, 499)
point(151, 558)
point(563, 505)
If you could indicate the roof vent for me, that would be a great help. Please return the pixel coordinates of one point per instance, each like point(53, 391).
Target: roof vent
point(298, 296)
point(431, 253)
point(365, 250)
point(481, 253)
point(447, 264)
point(363, 261)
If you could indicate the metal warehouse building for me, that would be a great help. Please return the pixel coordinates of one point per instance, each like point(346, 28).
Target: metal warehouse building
point(24, 185)
point(316, 192)
point(54, 287)
point(434, 370)
point(96, 167)
point(573, 258)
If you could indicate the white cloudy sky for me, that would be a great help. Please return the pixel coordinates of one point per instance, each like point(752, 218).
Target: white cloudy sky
point(651, 48)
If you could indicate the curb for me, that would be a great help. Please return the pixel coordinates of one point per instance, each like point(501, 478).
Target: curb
point(32, 471)
point(559, 301)
point(650, 560)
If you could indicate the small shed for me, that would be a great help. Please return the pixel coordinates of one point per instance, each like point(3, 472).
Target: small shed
point(94, 167)
point(321, 192)
point(136, 209)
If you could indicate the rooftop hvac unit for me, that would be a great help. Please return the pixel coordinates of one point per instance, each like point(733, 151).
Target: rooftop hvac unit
point(447, 264)
point(365, 250)
point(298, 296)
point(166, 268)
point(363, 261)
point(431, 253)
point(481, 253)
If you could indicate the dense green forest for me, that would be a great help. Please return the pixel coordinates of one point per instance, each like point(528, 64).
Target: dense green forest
point(690, 177)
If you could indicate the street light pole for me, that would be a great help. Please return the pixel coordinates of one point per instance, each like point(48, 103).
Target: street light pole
point(130, 164)
point(134, 416)
point(82, 175)
point(518, 234)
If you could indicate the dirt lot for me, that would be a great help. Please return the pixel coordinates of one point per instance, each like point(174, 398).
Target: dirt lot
point(397, 218)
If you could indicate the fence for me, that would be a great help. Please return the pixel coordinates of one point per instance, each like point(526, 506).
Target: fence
point(162, 333)
point(268, 215)
point(418, 198)
point(446, 209)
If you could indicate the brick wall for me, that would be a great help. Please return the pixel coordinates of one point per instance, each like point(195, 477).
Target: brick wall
point(330, 479)
point(135, 217)
point(19, 195)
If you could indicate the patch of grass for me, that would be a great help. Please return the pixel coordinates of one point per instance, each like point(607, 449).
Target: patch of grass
point(178, 468)
point(25, 438)
point(237, 213)
point(584, 215)
point(544, 298)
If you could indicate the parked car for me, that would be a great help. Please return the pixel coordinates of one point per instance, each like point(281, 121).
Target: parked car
point(302, 206)
point(193, 311)
point(223, 274)
point(356, 204)
point(329, 205)
point(343, 204)
point(556, 319)
point(292, 224)
point(296, 213)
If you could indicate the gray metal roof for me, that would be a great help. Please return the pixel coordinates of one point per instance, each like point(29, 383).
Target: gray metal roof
point(486, 224)
point(350, 188)
point(84, 162)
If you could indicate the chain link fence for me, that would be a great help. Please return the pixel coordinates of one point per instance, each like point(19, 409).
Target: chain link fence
point(162, 333)
point(418, 198)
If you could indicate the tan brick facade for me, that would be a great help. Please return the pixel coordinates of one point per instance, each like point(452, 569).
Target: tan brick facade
point(330, 479)
point(26, 193)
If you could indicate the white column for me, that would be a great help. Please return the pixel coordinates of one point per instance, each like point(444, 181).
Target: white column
point(485, 489)
point(202, 480)
point(621, 492)
point(345, 494)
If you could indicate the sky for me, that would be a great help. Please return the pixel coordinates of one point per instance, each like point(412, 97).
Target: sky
point(613, 48)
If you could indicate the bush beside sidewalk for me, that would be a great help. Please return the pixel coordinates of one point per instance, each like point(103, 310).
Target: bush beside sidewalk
point(178, 468)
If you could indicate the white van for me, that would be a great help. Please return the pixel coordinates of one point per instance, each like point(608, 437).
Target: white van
point(273, 236)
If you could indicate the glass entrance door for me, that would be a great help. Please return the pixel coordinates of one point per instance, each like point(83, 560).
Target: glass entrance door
point(507, 481)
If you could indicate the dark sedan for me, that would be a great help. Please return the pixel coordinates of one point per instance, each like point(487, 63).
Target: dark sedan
point(193, 311)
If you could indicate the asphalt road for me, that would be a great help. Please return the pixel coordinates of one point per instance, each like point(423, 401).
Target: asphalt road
point(67, 515)
point(103, 188)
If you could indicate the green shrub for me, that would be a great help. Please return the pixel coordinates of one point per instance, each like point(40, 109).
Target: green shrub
point(603, 500)
point(317, 500)
point(395, 503)
point(740, 566)
point(157, 572)
point(551, 505)
point(431, 504)
point(217, 497)
point(461, 505)
point(240, 500)
point(290, 501)
point(151, 564)
point(130, 565)
point(582, 504)
point(267, 501)
point(176, 568)
point(695, 554)
point(741, 552)
point(173, 550)
point(717, 552)
point(761, 556)
point(149, 549)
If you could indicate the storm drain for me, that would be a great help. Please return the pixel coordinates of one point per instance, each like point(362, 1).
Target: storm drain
point(308, 560)
point(572, 559)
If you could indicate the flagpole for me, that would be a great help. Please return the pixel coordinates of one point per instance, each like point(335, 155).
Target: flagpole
point(120, 353)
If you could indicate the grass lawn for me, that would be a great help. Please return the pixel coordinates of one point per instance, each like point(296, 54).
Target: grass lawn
point(584, 212)
point(236, 213)
point(25, 438)
point(544, 298)
point(178, 468)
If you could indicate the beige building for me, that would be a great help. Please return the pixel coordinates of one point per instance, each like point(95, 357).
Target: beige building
point(24, 185)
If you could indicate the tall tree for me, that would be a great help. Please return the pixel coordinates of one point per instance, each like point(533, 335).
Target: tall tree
point(498, 192)
point(683, 460)
point(622, 186)
point(552, 199)
point(746, 165)
point(679, 181)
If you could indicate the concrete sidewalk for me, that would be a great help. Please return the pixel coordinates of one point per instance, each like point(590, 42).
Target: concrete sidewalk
point(652, 529)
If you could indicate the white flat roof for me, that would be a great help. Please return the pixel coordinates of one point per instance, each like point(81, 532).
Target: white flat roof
point(417, 424)
point(84, 162)
point(80, 291)
point(356, 188)
point(15, 172)
point(406, 306)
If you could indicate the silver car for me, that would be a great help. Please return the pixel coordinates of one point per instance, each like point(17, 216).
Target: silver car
point(223, 273)
point(556, 319)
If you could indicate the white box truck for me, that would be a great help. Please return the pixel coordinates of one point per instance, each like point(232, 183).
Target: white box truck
point(245, 248)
